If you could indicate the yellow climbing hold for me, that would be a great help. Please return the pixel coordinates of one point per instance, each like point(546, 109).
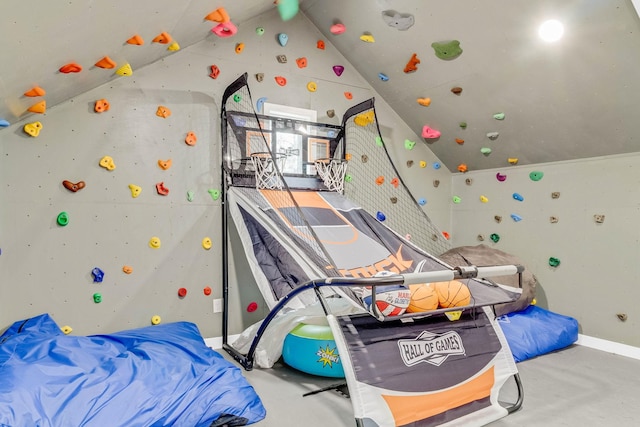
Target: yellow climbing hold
point(154, 242)
point(66, 329)
point(484, 199)
point(423, 164)
point(513, 160)
point(173, 47)
point(367, 38)
point(206, 243)
point(125, 70)
point(107, 163)
point(155, 320)
point(32, 129)
point(425, 102)
point(364, 118)
point(312, 86)
point(135, 190)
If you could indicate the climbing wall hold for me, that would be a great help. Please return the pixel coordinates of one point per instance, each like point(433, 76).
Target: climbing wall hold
point(553, 219)
point(239, 48)
point(468, 181)
point(480, 237)
point(516, 217)
point(493, 135)
point(379, 142)
point(173, 47)
point(125, 70)
point(136, 40)
point(215, 194)
point(215, 72)
point(253, 306)
point(380, 180)
point(485, 150)
point(259, 77)
point(407, 236)
point(348, 95)
point(364, 119)
point(518, 197)
point(4, 123)
point(281, 81)
point(282, 59)
point(512, 160)
point(283, 39)
point(106, 62)
point(459, 141)
point(155, 320)
point(331, 113)
point(599, 218)
point(412, 64)
point(408, 144)
point(206, 290)
point(287, 9)
point(383, 77)
point(462, 167)
point(35, 91)
point(484, 199)
point(218, 15)
point(73, 187)
point(320, 44)
point(39, 107)
point(500, 177)
point(409, 163)
point(66, 329)
point(260, 104)
point(457, 199)
point(393, 200)
point(348, 178)
point(98, 275)
point(127, 269)
point(97, 298)
point(224, 29)
point(423, 164)
point(498, 116)
point(422, 201)
point(190, 195)
point(430, 133)
point(32, 129)
point(107, 163)
point(497, 218)
point(161, 189)
point(260, 31)
point(191, 139)
point(399, 21)
point(301, 62)
point(456, 90)
point(436, 183)
point(62, 219)
point(164, 164)
point(437, 165)
point(446, 235)
point(206, 243)
point(554, 262)
point(536, 175)
point(71, 67)
point(135, 190)
point(337, 29)
point(380, 216)
point(555, 195)
point(495, 238)
point(101, 105)
point(155, 243)
point(463, 125)
point(395, 182)
point(425, 102)
point(447, 50)
point(338, 69)
point(162, 38)
point(163, 111)
point(367, 38)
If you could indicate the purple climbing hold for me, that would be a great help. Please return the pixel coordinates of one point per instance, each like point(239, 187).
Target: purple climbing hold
point(338, 69)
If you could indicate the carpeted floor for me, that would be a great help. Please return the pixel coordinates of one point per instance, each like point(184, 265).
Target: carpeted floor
point(577, 386)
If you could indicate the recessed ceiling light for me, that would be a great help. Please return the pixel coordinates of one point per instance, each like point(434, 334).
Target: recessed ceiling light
point(551, 30)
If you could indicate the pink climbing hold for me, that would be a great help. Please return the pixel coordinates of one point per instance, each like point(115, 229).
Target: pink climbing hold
point(500, 177)
point(338, 69)
point(337, 29)
point(224, 29)
point(430, 133)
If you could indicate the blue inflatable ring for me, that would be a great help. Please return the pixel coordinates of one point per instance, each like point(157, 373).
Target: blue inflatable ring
point(312, 349)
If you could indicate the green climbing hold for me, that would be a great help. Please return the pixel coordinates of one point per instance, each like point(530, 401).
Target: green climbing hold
point(536, 175)
point(485, 150)
point(260, 31)
point(498, 116)
point(554, 262)
point(63, 219)
point(495, 238)
point(463, 125)
point(97, 298)
point(215, 194)
point(447, 50)
point(287, 9)
point(408, 144)
point(379, 141)
point(237, 98)
point(190, 195)
point(456, 199)
point(348, 178)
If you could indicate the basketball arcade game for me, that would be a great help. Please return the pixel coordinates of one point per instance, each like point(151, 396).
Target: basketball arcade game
point(308, 244)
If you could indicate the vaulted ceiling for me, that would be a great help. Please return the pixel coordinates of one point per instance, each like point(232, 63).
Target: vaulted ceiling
point(571, 99)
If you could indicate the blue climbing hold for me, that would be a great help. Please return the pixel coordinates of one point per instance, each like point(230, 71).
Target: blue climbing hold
point(518, 197)
point(331, 133)
point(4, 123)
point(383, 77)
point(380, 216)
point(260, 103)
point(422, 201)
point(516, 218)
point(436, 165)
point(98, 275)
point(283, 39)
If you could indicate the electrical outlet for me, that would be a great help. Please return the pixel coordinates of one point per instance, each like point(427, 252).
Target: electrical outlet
point(217, 305)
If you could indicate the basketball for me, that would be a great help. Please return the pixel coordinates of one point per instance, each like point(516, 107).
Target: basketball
point(390, 300)
point(423, 298)
point(452, 294)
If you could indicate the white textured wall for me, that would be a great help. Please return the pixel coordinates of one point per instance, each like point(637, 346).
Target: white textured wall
point(47, 268)
point(600, 269)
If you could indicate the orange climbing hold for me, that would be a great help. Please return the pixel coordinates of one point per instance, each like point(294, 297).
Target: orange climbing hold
point(218, 15)
point(348, 95)
point(71, 67)
point(412, 65)
point(163, 112)
point(35, 91)
point(136, 40)
point(101, 106)
point(239, 47)
point(320, 44)
point(164, 164)
point(40, 107)
point(380, 180)
point(425, 102)
point(281, 80)
point(162, 38)
point(446, 235)
point(462, 168)
point(395, 182)
point(460, 141)
point(191, 138)
point(106, 62)
point(301, 62)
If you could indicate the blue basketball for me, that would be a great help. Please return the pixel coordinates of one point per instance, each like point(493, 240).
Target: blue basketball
point(312, 349)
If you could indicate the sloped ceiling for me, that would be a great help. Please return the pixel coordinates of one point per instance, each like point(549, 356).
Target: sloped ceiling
point(572, 99)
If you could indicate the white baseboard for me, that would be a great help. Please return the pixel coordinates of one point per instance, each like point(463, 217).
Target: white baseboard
point(609, 346)
point(216, 342)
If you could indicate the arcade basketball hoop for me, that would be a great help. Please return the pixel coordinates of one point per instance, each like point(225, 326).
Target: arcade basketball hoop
point(332, 172)
point(267, 175)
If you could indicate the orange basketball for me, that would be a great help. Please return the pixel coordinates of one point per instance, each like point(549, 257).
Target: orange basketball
point(423, 298)
point(452, 294)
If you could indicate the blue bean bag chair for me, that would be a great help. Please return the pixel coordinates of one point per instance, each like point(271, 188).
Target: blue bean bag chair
point(535, 331)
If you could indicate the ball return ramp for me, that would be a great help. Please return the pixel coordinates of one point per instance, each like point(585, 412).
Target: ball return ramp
point(314, 241)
